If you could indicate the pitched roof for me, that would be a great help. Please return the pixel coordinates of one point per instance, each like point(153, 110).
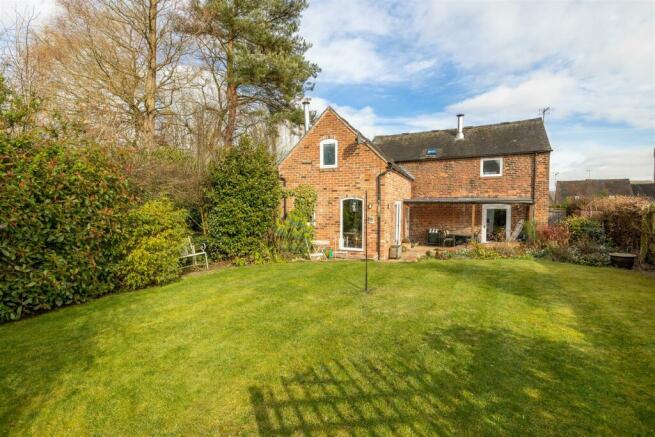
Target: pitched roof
point(361, 138)
point(592, 187)
point(525, 136)
point(645, 190)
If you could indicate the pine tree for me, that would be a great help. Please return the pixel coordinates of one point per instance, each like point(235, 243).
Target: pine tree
point(253, 48)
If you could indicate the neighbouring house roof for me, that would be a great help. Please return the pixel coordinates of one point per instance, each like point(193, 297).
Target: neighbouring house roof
point(516, 137)
point(485, 200)
point(645, 190)
point(592, 187)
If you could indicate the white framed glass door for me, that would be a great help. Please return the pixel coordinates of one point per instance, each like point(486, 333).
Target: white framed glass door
point(496, 223)
point(352, 224)
point(398, 223)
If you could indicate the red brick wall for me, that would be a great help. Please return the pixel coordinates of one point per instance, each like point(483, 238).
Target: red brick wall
point(453, 217)
point(358, 168)
point(395, 188)
point(461, 178)
point(542, 197)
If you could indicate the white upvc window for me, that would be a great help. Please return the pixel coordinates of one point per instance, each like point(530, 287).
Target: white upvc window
point(491, 167)
point(329, 153)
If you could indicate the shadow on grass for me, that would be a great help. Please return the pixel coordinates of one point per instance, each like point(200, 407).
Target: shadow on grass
point(27, 385)
point(468, 382)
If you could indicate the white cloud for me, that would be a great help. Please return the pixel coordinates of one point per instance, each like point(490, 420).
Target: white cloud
point(358, 41)
point(594, 60)
point(590, 59)
point(581, 160)
point(42, 9)
point(352, 60)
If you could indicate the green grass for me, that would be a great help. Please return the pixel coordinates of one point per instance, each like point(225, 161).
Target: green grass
point(460, 346)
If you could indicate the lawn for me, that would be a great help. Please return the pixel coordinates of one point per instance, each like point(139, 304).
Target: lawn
point(451, 347)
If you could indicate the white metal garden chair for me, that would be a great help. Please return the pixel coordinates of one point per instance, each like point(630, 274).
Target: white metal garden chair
point(317, 250)
point(189, 251)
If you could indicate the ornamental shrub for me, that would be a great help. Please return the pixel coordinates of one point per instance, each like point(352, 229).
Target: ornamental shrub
point(584, 229)
point(243, 200)
point(157, 233)
point(295, 232)
point(62, 225)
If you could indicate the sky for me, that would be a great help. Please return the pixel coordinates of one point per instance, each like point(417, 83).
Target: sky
point(412, 65)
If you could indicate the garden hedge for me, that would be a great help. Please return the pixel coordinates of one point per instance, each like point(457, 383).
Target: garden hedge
point(62, 225)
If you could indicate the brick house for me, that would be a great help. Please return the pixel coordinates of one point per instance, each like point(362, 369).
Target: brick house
point(479, 181)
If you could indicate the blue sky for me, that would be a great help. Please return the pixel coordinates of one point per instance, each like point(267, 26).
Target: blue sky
point(401, 66)
point(409, 66)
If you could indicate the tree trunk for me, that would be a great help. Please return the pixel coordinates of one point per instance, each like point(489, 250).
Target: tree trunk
point(151, 77)
point(232, 96)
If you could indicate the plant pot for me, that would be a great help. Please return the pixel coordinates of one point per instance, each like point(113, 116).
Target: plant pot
point(394, 252)
point(623, 260)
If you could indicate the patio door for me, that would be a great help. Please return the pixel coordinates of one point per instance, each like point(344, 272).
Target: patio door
point(399, 223)
point(352, 224)
point(496, 223)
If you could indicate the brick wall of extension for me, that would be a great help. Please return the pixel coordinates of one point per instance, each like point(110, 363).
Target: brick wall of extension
point(461, 178)
point(358, 167)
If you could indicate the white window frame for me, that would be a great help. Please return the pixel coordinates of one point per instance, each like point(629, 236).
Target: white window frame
point(336, 152)
point(508, 218)
point(341, 245)
point(491, 175)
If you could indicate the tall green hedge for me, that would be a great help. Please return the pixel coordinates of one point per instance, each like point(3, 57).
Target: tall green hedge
point(62, 224)
point(244, 198)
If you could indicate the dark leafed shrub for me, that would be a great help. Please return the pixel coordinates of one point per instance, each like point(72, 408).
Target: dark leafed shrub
point(244, 198)
point(62, 224)
point(157, 233)
point(557, 235)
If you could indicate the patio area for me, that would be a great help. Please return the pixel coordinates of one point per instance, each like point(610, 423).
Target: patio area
point(455, 221)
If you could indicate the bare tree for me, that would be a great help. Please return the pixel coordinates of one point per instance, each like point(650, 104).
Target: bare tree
point(114, 64)
point(20, 63)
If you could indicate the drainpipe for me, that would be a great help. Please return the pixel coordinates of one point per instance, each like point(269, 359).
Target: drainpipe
point(534, 184)
point(284, 199)
point(379, 199)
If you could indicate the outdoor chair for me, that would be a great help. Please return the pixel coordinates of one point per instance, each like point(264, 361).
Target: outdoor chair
point(317, 250)
point(189, 251)
point(449, 240)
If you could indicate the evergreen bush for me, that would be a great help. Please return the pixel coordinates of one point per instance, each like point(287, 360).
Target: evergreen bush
point(62, 225)
point(243, 197)
point(157, 234)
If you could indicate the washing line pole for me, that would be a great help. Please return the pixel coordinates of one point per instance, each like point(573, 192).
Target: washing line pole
point(366, 241)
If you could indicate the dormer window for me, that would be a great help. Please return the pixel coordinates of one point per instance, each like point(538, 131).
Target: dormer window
point(431, 151)
point(490, 167)
point(329, 153)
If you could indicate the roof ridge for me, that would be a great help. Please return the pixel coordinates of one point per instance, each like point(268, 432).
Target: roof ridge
point(454, 128)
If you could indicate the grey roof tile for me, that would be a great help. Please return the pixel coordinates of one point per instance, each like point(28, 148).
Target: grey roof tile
point(517, 137)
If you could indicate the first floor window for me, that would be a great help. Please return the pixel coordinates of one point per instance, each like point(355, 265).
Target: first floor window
point(328, 154)
point(491, 167)
point(352, 223)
